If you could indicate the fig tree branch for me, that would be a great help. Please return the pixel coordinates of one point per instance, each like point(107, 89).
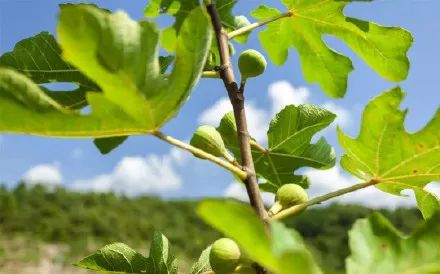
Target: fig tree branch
point(237, 100)
point(202, 154)
point(294, 210)
point(255, 25)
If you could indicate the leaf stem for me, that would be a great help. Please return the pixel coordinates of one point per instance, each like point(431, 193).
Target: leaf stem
point(210, 74)
point(294, 210)
point(258, 146)
point(201, 154)
point(255, 25)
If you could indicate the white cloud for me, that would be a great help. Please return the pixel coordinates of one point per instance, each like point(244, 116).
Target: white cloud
point(343, 115)
point(137, 175)
point(257, 117)
point(434, 187)
point(282, 93)
point(213, 114)
point(179, 156)
point(238, 191)
point(45, 174)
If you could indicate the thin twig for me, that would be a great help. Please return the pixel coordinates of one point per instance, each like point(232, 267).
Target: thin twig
point(255, 25)
point(202, 154)
point(294, 210)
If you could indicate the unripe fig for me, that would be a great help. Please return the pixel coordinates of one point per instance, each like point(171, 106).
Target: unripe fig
point(210, 62)
point(251, 64)
point(227, 125)
point(288, 195)
point(231, 49)
point(208, 139)
point(225, 256)
point(241, 21)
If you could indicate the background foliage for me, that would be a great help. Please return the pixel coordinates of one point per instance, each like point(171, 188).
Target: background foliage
point(92, 219)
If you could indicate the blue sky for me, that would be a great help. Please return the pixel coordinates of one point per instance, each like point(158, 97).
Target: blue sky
point(144, 164)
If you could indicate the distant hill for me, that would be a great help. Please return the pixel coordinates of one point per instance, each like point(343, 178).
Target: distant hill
point(83, 221)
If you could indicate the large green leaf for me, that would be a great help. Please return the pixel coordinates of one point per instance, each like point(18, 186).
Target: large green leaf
point(290, 134)
point(377, 247)
point(382, 48)
point(180, 9)
point(385, 152)
point(39, 58)
point(121, 56)
point(115, 258)
point(161, 261)
point(288, 245)
point(282, 252)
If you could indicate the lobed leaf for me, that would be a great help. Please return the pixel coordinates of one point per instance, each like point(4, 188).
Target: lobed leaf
point(377, 247)
point(115, 258)
point(39, 58)
point(121, 56)
point(396, 159)
point(289, 135)
point(383, 48)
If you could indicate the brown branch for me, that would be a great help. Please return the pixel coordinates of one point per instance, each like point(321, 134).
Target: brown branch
point(237, 100)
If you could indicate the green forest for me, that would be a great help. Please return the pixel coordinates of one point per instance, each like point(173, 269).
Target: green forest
point(35, 214)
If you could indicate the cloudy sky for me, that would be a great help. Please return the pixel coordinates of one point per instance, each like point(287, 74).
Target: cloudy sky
point(144, 165)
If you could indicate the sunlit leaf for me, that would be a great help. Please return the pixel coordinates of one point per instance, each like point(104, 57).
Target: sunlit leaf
point(289, 135)
point(39, 57)
point(121, 56)
point(382, 48)
point(115, 258)
point(161, 260)
point(385, 152)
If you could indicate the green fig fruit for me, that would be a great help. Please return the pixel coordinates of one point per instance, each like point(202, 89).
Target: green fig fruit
point(241, 21)
point(288, 195)
point(210, 62)
point(251, 64)
point(224, 256)
point(231, 49)
point(227, 126)
point(208, 139)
